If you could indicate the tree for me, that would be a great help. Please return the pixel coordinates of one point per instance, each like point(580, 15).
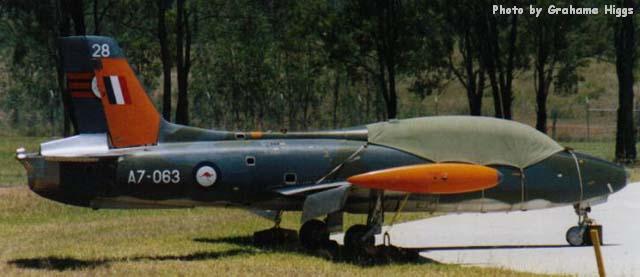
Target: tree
point(500, 56)
point(387, 35)
point(235, 84)
point(625, 52)
point(100, 12)
point(34, 80)
point(27, 33)
point(488, 50)
point(165, 57)
point(558, 51)
point(184, 37)
point(35, 23)
point(465, 63)
point(75, 10)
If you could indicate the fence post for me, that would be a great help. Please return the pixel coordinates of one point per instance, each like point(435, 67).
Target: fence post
point(588, 118)
point(436, 100)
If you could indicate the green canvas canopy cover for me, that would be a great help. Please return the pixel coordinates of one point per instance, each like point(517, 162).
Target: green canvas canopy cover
point(471, 139)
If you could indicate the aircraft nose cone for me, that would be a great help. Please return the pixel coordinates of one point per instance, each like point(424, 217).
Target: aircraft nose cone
point(616, 176)
point(621, 182)
point(600, 177)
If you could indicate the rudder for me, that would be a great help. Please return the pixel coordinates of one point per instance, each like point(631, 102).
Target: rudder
point(114, 101)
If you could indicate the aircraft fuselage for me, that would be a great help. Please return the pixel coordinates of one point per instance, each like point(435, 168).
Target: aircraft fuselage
point(247, 172)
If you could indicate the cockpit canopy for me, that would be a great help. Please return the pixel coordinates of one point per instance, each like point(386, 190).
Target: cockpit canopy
point(471, 139)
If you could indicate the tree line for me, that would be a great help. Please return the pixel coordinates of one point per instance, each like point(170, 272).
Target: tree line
point(315, 63)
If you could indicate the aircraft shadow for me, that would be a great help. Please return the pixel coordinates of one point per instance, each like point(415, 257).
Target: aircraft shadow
point(61, 263)
point(488, 247)
point(383, 256)
point(379, 256)
point(68, 263)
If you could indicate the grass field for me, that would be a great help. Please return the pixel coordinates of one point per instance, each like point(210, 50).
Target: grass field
point(40, 237)
point(11, 172)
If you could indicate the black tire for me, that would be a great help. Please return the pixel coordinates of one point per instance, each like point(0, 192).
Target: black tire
point(353, 243)
point(577, 235)
point(313, 234)
point(333, 248)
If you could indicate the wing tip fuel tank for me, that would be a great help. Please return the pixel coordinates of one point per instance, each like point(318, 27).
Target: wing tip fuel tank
point(438, 178)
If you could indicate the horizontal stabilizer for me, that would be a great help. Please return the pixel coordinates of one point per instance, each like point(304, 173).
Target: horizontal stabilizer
point(438, 178)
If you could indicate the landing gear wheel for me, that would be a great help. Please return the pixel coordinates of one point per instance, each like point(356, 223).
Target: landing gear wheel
point(353, 242)
point(578, 235)
point(314, 234)
point(581, 234)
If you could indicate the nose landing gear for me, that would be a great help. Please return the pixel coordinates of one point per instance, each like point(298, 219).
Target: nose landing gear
point(580, 235)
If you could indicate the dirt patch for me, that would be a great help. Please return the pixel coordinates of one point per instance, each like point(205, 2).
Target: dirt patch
point(4, 190)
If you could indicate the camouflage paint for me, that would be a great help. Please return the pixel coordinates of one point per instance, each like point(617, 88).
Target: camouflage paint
point(551, 182)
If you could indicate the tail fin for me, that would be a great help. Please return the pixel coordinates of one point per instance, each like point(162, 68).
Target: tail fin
point(105, 93)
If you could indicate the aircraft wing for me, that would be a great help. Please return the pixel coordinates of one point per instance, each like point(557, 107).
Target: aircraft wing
point(435, 178)
point(299, 189)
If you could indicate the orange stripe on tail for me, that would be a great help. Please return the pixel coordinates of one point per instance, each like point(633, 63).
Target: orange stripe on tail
point(136, 123)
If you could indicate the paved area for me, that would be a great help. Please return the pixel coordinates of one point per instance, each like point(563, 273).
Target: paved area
point(532, 241)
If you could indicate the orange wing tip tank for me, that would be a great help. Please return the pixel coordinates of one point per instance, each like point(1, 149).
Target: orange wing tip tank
point(439, 178)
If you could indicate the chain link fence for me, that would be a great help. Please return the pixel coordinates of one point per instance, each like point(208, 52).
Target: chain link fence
point(597, 124)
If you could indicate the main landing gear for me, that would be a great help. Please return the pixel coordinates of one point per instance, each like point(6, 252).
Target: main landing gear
point(314, 234)
point(359, 239)
point(580, 235)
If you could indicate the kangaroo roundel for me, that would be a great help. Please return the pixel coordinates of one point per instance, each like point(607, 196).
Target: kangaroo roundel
point(206, 176)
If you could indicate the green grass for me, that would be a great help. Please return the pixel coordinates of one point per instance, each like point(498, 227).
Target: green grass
point(605, 150)
point(41, 237)
point(11, 172)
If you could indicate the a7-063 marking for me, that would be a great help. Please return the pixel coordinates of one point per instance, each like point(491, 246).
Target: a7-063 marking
point(165, 176)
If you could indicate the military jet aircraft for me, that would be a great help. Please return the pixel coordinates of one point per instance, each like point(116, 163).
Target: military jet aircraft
point(125, 156)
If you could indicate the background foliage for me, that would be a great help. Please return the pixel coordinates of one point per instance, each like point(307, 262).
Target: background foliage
point(315, 64)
